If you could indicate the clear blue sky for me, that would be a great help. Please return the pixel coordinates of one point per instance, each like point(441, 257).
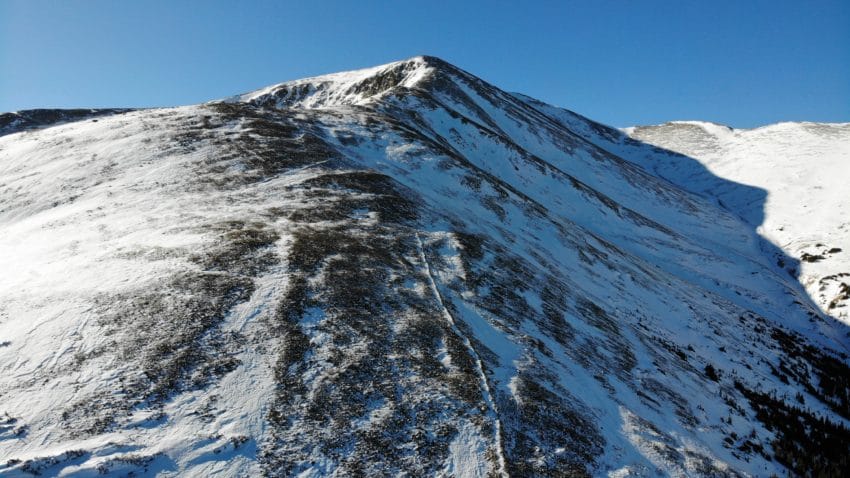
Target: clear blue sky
point(738, 62)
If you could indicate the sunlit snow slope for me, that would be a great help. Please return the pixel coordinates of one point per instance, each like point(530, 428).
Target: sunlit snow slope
point(399, 271)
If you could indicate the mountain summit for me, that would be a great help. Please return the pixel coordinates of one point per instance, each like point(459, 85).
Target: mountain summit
point(358, 87)
point(398, 271)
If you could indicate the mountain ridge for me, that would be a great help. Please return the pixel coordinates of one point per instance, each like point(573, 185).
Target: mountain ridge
point(373, 81)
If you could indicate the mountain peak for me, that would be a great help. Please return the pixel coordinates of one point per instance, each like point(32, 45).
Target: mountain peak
point(355, 87)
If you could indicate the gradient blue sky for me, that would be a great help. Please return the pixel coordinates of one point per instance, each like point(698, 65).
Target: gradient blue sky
point(738, 62)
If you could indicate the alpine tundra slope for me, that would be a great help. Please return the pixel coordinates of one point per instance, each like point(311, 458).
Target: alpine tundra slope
point(399, 271)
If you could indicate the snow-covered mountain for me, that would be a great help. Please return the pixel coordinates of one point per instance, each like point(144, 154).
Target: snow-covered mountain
point(396, 271)
point(805, 170)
